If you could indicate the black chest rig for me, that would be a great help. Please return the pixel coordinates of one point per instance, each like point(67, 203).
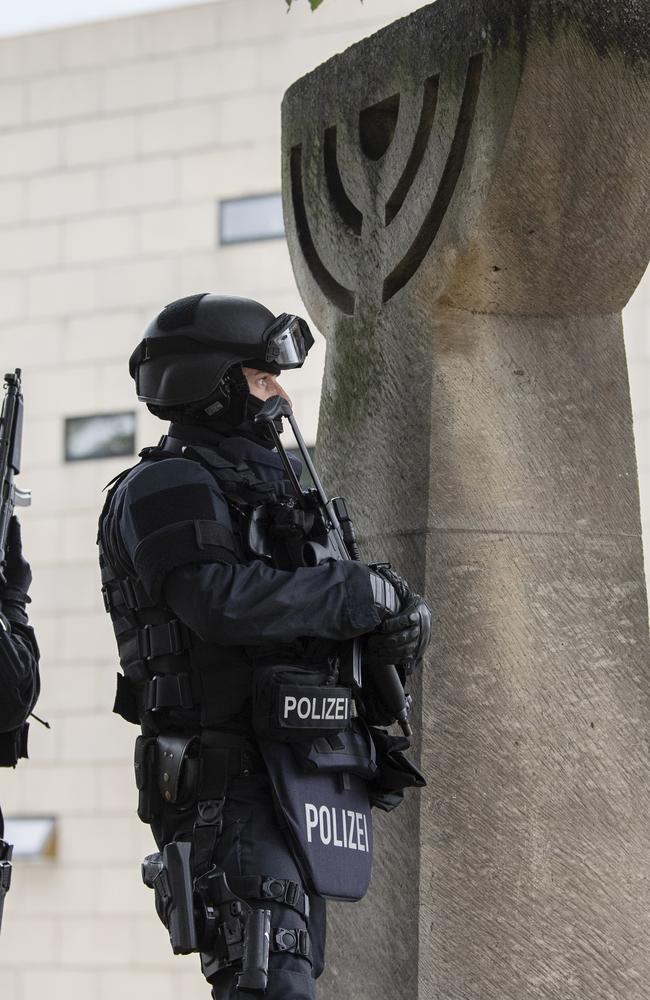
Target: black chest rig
point(171, 679)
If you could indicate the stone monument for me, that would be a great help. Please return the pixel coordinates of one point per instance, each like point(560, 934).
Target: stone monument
point(466, 199)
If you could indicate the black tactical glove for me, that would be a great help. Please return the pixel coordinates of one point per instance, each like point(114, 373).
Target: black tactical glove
point(18, 575)
point(402, 637)
point(405, 631)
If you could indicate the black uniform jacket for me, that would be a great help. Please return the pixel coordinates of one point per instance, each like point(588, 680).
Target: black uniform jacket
point(19, 686)
point(170, 526)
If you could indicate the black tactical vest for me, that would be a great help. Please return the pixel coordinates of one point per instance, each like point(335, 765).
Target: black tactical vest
point(172, 680)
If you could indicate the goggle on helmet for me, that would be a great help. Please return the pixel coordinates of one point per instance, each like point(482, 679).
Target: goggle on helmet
point(193, 342)
point(287, 341)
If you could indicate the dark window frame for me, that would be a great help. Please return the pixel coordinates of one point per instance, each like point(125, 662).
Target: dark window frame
point(223, 242)
point(67, 421)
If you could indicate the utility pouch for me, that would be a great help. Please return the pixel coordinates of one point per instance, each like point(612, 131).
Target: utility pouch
point(170, 876)
point(177, 769)
point(149, 802)
point(327, 820)
point(351, 751)
point(292, 703)
point(255, 962)
point(395, 771)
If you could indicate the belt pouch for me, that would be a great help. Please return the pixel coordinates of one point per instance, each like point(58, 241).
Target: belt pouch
point(327, 821)
point(149, 802)
point(350, 752)
point(291, 703)
point(177, 769)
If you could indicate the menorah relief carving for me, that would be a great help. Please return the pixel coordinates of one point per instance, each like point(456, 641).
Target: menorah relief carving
point(376, 129)
point(378, 209)
point(443, 147)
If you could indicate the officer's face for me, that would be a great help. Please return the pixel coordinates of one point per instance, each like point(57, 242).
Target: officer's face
point(264, 385)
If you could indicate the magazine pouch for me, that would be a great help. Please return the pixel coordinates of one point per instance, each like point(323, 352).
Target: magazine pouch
point(327, 819)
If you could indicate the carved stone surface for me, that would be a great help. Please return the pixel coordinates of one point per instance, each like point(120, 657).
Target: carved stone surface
point(466, 198)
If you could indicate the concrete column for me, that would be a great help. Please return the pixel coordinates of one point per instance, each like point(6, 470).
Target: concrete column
point(467, 209)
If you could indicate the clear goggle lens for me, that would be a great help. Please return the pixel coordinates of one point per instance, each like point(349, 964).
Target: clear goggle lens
point(286, 346)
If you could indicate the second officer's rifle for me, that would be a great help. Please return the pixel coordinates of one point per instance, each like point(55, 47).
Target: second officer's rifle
point(11, 438)
point(340, 545)
point(11, 441)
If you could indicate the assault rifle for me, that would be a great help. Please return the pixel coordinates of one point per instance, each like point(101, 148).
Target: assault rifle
point(11, 443)
point(338, 542)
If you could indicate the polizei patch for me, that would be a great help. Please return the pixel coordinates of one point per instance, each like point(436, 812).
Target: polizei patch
point(314, 707)
point(337, 827)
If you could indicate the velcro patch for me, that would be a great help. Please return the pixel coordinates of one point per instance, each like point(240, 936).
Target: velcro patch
point(180, 313)
point(187, 502)
point(301, 707)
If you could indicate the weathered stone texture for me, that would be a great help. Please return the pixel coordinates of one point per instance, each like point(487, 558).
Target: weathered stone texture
point(467, 204)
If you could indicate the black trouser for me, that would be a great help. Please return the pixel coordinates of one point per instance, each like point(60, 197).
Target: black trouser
point(252, 843)
point(5, 869)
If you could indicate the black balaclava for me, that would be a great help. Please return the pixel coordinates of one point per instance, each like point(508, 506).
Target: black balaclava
point(233, 408)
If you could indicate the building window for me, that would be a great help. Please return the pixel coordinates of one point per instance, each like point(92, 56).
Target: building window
point(242, 220)
point(103, 435)
point(33, 837)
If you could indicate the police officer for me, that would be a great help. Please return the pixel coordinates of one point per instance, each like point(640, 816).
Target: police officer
point(198, 614)
point(19, 676)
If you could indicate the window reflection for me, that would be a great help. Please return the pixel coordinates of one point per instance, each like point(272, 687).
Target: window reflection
point(258, 217)
point(105, 435)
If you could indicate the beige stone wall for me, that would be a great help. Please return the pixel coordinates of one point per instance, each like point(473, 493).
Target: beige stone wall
point(117, 140)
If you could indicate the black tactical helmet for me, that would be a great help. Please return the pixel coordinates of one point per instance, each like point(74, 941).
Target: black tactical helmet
point(189, 347)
